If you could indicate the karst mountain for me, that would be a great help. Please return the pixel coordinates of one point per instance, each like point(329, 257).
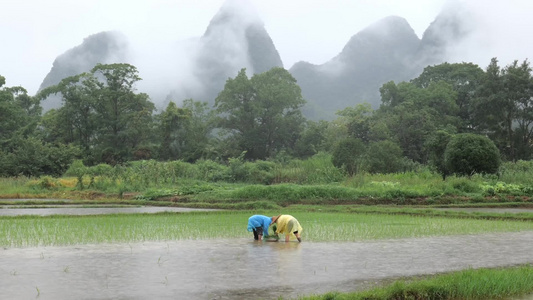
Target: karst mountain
point(236, 38)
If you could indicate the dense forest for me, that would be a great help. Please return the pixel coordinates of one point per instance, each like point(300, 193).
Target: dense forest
point(104, 120)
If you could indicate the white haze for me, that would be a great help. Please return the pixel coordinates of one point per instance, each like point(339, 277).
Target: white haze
point(163, 34)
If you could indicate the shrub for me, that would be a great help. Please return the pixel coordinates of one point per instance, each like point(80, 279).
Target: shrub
point(384, 157)
point(78, 170)
point(48, 183)
point(468, 154)
point(212, 171)
point(348, 154)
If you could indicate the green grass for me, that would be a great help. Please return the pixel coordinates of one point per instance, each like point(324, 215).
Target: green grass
point(14, 186)
point(466, 284)
point(23, 231)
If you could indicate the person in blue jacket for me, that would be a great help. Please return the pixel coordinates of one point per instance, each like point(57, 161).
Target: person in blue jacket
point(259, 224)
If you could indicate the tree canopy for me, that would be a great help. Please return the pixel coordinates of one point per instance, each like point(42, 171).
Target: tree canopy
point(104, 119)
point(261, 115)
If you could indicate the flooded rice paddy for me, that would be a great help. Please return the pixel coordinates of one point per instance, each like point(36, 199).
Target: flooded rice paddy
point(237, 268)
point(242, 268)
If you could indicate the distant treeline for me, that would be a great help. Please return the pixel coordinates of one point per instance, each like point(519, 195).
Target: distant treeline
point(437, 119)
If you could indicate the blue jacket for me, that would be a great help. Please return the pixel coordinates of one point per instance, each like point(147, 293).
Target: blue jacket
point(259, 221)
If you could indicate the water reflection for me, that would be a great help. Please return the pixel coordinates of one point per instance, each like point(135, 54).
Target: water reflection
point(241, 268)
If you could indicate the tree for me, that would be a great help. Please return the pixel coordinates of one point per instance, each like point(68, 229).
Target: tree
point(124, 117)
point(261, 115)
point(313, 139)
point(19, 114)
point(74, 122)
point(383, 157)
point(418, 113)
point(348, 155)
point(185, 132)
point(504, 108)
point(102, 114)
point(436, 147)
point(358, 120)
point(172, 129)
point(465, 79)
point(467, 154)
point(32, 157)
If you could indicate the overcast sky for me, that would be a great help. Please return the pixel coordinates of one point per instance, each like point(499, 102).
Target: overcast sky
point(34, 32)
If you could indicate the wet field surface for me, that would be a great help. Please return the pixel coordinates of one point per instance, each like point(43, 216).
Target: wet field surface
point(242, 268)
point(10, 210)
point(238, 268)
point(489, 210)
point(77, 210)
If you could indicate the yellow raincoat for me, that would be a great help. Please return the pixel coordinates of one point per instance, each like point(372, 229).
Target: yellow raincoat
point(287, 224)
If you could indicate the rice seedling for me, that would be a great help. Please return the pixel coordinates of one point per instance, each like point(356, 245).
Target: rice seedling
point(318, 227)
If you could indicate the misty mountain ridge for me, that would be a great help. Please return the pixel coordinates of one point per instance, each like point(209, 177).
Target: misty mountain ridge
point(236, 38)
point(104, 47)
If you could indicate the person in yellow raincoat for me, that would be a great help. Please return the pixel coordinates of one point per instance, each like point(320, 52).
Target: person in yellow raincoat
point(287, 225)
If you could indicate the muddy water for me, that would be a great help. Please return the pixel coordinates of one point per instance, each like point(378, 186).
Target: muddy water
point(242, 268)
point(489, 210)
point(76, 210)
point(10, 210)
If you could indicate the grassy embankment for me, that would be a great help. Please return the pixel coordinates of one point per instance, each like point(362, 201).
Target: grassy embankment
point(269, 185)
point(466, 284)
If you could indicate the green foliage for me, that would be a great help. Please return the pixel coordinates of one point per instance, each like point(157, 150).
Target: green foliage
point(468, 154)
point(502, 188)
point(465, 79)
point(18, 115)
point(210, 170)
point(348, 155)
point(314, 139)
point(358, 120)
point(78, 170)
point(31, 157)
point(101, 114)
point(466, 284)
point(323, 226)
point(260, 115)
point(436, 146)
point(48, 183)
point(464, 185)
point(503, 108)
point(383, 157)
point(315, 170)
point(184, 133)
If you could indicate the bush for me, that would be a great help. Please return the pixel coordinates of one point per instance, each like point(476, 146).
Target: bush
point(78, 170)
point(384, 157)
point(212, 171)
point(348, 154)
point(468, 154)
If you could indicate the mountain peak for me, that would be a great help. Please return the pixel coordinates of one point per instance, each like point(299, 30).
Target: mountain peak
point(389, 26)
point(449, 28)
point(389, 36)
point(235, 13)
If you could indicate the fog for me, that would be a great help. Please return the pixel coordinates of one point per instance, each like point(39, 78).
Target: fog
point(163, 35)
point(496, 29)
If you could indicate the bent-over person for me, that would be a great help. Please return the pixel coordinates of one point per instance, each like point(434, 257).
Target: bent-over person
point(287, 225)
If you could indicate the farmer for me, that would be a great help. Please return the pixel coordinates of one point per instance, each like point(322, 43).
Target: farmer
point(287, 224)
point(259, 225)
